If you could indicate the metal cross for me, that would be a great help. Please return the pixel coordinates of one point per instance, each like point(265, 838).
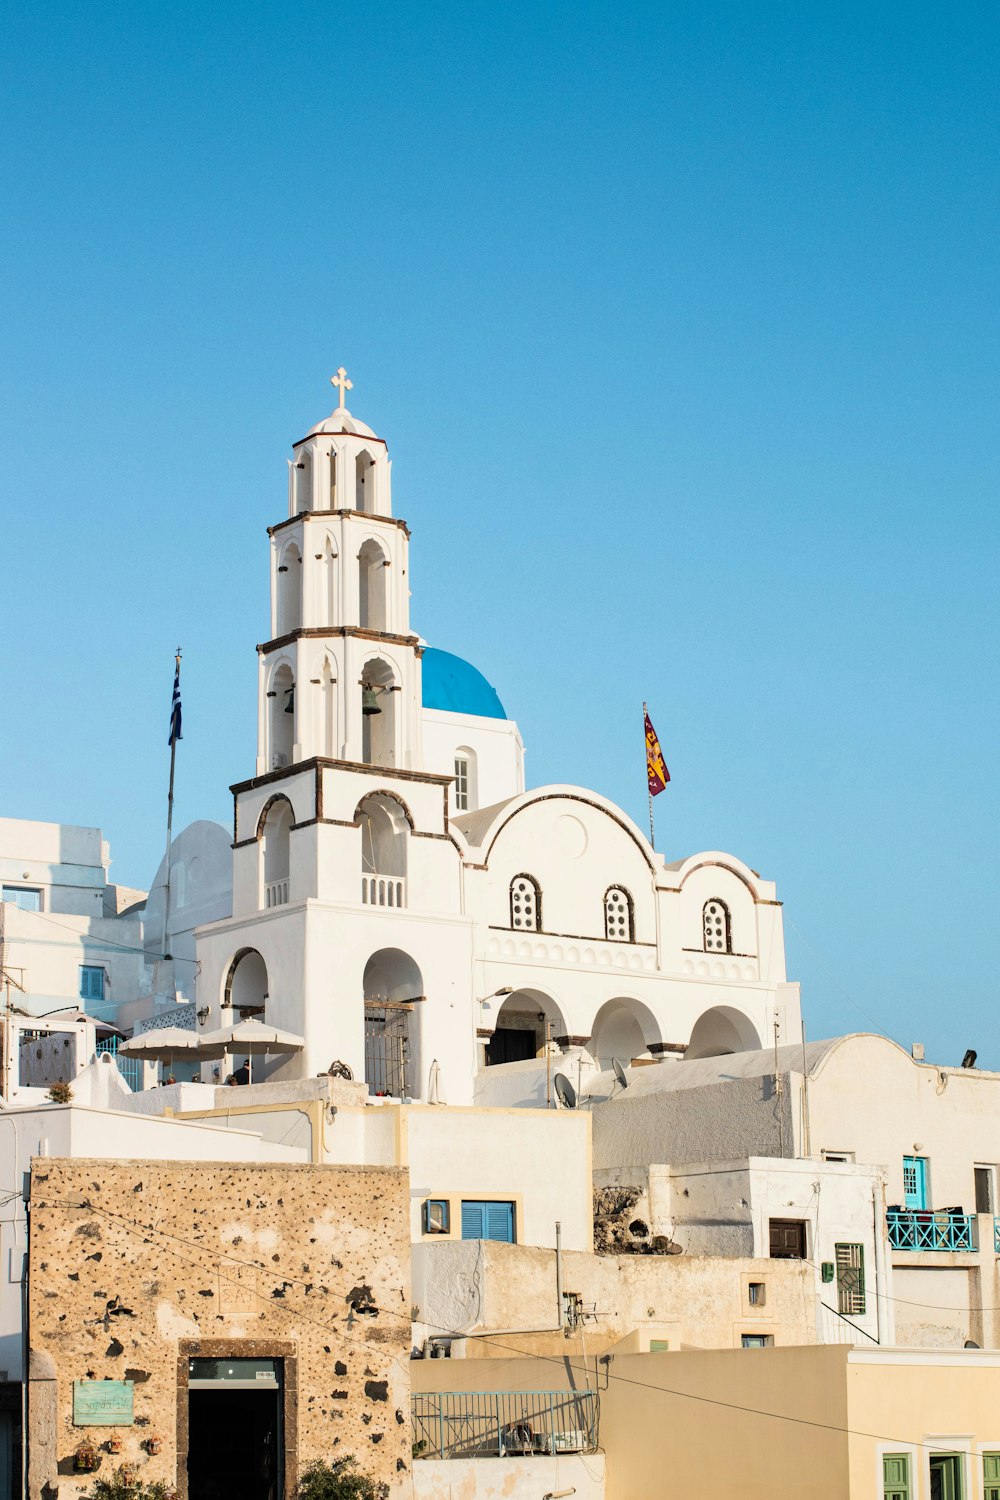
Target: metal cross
point(342, 383)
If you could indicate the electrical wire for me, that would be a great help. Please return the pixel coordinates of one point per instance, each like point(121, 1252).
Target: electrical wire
point(99, 942)
point(560, 1360)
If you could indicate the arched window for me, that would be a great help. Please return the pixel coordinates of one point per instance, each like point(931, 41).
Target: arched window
point(618, 915)
point(715, 926)
point(371, 587)
point(525, 904)
point(466, 793)
point(289, 590)
point(364, 482)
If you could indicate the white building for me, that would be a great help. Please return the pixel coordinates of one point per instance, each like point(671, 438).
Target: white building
point(69, 937)
point(392, 879)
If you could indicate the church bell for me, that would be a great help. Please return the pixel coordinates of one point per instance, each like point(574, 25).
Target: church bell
point(369, 702)
point(290, 705)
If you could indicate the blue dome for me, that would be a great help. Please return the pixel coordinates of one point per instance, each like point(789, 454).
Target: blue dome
point(454, 685)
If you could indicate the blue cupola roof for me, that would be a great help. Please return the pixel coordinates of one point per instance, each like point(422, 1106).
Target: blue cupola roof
point(456, 687)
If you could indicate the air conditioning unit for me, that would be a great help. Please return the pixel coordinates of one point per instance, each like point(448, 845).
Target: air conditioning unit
point(278, 761)
point(573, 1441)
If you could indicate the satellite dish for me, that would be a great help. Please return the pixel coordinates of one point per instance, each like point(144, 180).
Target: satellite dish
point(565, 1092)
point(619, 1072)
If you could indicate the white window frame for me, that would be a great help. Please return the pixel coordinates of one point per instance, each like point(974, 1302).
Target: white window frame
point(461, 783)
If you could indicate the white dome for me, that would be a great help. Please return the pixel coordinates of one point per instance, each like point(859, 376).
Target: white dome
point(341, 421)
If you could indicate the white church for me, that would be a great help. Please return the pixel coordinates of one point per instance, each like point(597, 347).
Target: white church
point(400, 901)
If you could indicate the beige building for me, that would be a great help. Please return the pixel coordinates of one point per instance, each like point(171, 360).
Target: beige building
point(817, 1423)
point(219, 1325)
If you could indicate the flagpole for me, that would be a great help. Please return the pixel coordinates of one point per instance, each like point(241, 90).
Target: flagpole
point(649, 790)
point(170, 813)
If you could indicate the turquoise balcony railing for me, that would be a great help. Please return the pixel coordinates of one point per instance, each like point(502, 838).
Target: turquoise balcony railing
point(920, 1229)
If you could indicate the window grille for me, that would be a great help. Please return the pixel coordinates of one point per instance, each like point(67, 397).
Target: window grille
point(715, 925)
point(525, 904)
point(618, 915)
point(850, 1279)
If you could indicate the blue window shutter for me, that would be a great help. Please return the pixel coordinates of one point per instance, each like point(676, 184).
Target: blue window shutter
point(473, 1227)
point(500, 1222)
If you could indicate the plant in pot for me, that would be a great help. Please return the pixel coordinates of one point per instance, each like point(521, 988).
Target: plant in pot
point(61, 1092)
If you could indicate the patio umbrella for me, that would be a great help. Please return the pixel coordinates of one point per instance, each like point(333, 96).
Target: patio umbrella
point(163, 1045)
point(250, 1037)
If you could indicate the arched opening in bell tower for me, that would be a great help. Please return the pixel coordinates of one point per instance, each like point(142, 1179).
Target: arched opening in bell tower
point(289, 590)
point(378, 714)
point(372, 567)
point(275, 836)
point(328, 592)
point(385, 826)
point(328, 679)
point(303, 481)
point(332, 492)
point(364, 483)
point(281, 718)
point(393, 989)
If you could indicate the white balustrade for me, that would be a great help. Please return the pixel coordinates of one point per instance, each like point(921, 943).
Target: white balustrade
point(383, 890)
point(276, 893)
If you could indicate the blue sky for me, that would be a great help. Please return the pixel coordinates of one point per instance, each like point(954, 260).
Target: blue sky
point(681, 323)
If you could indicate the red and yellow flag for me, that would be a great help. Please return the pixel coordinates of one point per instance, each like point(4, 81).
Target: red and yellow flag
point(656, 767)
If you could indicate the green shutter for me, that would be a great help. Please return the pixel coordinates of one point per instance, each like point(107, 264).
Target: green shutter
point(850, 1261)
point(991, 1476)
point(896, 1476)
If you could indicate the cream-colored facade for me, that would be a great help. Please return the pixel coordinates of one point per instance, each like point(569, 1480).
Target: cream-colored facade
point(817, 1422)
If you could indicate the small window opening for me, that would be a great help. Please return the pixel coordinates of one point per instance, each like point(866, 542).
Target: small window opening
point(716, 927)
point(525, 904)
point(757, 1293)
point(618, 915)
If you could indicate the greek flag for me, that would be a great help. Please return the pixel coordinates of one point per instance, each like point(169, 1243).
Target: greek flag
point(175, 709)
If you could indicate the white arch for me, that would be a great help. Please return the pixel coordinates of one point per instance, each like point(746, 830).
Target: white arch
point(722, 1030)
point(624, 1028)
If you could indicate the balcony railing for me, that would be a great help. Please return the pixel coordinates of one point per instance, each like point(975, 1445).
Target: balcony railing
point(493, 1424)
point(276, 893)
point(383, 890)
point(920, 1229)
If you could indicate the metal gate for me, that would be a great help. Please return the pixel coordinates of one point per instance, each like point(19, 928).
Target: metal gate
point(387, 1049)
point(129, 1067)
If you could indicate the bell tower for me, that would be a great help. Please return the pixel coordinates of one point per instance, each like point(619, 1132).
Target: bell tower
point(340, 675)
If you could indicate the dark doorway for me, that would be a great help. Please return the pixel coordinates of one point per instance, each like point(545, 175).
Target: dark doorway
point(234, 1434)
point(788, 1239)
point(509, 1044)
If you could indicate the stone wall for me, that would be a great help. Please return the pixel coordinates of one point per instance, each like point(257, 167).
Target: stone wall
point(137, 1266)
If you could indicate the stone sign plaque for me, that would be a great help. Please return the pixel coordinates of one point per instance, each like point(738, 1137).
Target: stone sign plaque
point(103, 1403)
